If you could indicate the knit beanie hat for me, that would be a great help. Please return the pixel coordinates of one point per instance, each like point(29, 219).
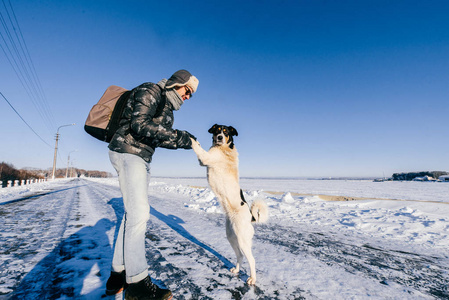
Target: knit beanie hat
point(182, 78)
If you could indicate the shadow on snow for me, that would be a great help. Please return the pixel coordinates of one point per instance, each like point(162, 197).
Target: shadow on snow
point(85, 255)
point(175, 222)
point(84, 259)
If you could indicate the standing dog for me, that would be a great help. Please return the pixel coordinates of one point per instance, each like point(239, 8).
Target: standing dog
point(223, 176)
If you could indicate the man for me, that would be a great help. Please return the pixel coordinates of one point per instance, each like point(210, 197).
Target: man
point(146, 124)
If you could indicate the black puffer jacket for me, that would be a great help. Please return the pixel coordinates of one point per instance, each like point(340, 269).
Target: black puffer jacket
point(139, 132)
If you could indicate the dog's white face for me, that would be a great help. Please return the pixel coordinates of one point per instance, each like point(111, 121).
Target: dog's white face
point(222, 135)
point(220, 138)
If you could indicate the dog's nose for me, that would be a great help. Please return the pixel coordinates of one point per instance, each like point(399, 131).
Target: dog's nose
point(219, 137)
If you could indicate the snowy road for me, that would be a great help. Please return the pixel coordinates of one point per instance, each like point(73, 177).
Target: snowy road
point(58, 244)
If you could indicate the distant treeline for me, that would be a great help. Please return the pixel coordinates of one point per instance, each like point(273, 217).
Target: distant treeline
point(9, 172)
point(412, 175)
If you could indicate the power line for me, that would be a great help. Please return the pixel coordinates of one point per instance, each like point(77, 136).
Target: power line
point(24, 120)
point(28, 56)
point(21, 69)
point(18, 56)
point(31, 65)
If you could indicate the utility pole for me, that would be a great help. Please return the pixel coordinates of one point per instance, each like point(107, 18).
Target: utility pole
point(56, 150)
point(71, 170)
point(68, 161)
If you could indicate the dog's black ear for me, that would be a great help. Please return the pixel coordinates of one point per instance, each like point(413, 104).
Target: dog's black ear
point(213, 128)
point(233, 131)
point(231, 142)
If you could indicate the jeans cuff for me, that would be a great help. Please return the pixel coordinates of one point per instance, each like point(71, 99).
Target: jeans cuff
point(118, 269)
point(137, 278)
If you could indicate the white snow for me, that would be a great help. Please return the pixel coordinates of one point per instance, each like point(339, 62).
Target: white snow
point(392, 244)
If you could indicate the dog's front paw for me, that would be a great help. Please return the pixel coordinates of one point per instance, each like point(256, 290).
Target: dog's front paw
point(234, 270)
point(195, 142)
point(251, 281)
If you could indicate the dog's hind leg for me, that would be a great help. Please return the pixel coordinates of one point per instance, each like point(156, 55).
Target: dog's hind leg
point(245, 246)
point(239, 255)
point(232, 238)
point(245, 242)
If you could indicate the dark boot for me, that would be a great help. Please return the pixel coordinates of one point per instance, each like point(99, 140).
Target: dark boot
point(146, 290)
point(116, 283)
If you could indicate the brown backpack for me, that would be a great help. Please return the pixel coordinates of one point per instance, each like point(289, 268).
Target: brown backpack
point(104, 117)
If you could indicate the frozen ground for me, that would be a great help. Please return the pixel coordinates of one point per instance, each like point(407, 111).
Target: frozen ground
point(56, 240)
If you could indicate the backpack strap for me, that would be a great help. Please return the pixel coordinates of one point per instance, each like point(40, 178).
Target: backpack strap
point(114, 124)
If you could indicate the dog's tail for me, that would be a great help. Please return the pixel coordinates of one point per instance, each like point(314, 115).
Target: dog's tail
point(259, 210)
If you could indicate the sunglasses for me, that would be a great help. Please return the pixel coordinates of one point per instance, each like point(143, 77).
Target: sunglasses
point(188, 92)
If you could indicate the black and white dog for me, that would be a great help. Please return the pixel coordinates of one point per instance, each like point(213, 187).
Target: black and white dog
point(223, 176)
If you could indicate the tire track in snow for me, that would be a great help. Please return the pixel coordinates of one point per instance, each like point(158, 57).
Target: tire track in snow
point(77, 215)
point(202, 272)
point(41, 221)
point(87, 245)
point(426, 274)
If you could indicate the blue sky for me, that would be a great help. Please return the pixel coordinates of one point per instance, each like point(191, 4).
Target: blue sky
point(314, 88)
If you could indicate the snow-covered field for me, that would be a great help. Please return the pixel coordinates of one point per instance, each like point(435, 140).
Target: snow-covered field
point(56, 240)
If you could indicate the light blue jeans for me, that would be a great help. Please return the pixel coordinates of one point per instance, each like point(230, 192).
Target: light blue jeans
point(129, 250)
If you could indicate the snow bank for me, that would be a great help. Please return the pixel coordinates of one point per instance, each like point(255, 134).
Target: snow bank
point(309, 248)
point(417, 222)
